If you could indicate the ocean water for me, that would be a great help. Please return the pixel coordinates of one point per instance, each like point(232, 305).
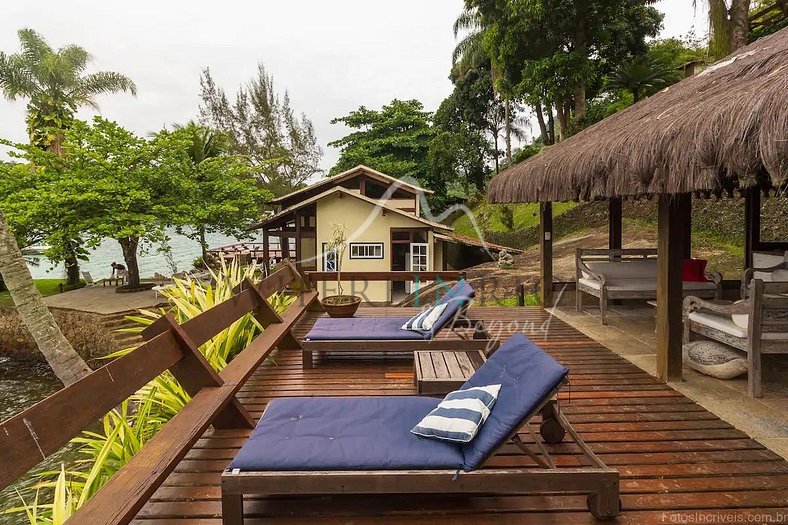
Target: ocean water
point(183, 251)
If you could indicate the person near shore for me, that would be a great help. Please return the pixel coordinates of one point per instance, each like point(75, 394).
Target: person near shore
point(118, 269)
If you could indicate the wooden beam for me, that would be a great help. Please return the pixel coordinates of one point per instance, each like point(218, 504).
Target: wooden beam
point(266, 253)
point(615, 219)
point(546, 253)
point(752, 223)
point(674, 214)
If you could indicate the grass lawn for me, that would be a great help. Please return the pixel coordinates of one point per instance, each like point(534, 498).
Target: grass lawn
point(524, 215)
point(45, 286)
point(531, 299)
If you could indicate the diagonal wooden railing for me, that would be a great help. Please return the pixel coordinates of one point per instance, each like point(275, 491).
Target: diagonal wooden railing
point(34, 434)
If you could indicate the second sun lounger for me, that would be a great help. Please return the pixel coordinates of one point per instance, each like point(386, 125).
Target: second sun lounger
point(385, 334)
point(323, 446)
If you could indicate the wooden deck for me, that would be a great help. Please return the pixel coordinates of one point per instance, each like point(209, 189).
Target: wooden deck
point(678, 462)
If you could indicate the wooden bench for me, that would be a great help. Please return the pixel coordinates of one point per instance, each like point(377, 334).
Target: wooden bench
point(757, 325)
point(44, 428)
point(438, 373)
point(628, 274)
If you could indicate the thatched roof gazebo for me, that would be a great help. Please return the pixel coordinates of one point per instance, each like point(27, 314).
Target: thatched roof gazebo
point(723, 131)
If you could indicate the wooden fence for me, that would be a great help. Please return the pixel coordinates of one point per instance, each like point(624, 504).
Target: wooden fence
point(43, 429)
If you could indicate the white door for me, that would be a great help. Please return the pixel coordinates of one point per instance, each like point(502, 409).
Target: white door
point(419, 262)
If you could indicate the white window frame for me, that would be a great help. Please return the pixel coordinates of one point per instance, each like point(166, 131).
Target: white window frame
point(366, 250)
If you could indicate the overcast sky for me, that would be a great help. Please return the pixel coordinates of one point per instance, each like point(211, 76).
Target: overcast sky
point(331, 56)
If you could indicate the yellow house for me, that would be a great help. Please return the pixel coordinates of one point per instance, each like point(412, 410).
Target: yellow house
point(385, 232)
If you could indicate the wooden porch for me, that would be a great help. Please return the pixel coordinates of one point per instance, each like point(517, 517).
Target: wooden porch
point(678, 462)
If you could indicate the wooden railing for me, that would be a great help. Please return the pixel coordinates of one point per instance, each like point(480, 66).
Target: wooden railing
point(314, 277)
point(41, 430)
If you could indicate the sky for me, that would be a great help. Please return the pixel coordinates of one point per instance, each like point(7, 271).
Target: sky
point(331, 56)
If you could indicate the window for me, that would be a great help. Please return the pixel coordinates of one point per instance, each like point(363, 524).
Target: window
point(329, 259)
point(366, 250)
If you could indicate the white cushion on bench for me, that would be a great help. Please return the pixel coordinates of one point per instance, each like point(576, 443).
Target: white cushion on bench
point(725, 324)
point(645, 285)
point(625, 269)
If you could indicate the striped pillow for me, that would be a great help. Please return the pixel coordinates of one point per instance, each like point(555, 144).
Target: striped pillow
point(424, 321)
point(460, 415)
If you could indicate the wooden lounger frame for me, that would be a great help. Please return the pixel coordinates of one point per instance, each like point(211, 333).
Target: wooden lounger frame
point(480, 340)
point(598, 481)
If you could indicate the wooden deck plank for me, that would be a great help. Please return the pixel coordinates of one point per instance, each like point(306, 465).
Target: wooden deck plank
point(676, 460)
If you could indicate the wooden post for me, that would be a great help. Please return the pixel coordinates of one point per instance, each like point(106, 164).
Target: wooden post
point(266, 253)
point(615, 230)
point(298, 240)
point(546, 253)
point(194, 372)
point(674, 215)
point(752, 223)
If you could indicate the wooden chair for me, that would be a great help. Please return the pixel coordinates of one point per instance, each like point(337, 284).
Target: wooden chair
point(766, 332)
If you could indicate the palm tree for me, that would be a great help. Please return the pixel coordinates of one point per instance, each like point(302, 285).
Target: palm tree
point(55, 85)
point(639, 75)
point(205, 144)
point(469, 54)
point(61, 356)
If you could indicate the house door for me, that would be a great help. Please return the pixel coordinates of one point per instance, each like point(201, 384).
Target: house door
point(419, 262)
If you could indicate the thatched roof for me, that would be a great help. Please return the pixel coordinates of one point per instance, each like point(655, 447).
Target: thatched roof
point(724, 128)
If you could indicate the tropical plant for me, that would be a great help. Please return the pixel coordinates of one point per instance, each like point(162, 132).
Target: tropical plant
point(65, 362)
point(639, 76)
point(55, 85)
point(125, 430)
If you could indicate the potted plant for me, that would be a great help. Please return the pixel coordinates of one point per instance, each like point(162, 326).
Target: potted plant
point(339, 305)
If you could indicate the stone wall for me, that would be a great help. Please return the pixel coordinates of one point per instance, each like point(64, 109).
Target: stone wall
point(85, 331)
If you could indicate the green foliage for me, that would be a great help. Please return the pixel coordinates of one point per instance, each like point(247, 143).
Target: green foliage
point(493, 218)
point(55, 84)
point(224, 194)
point(554, 53)
point(45, 286)
point(394, 140)
point(771, 18)
point(124, 431)
point(109, 183)
point(262, 126)
point(640, 76)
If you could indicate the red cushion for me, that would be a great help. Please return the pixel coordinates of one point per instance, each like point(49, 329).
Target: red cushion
point(693, 270)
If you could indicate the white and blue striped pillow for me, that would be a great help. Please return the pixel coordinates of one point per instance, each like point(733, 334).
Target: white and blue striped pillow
point(460, 415)
point(424, 321)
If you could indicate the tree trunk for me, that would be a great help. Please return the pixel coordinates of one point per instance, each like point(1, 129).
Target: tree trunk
point(580, 102)
point(67, 365)
point(508, 127)
point(563, 119)
point(129, 246)
point(550, 125)
point(739, 23)
point(542, 124)
point(72, 268)
point(2, 284)
point(203, 245)
point(495, 157)
point(635, 95)
point(581, 48)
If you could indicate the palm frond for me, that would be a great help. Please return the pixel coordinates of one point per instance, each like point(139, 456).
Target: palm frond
point(468, 20)
point(16, 79)
point(34, 46)
point(76, 57)
point(103, 82)
point(468, 48)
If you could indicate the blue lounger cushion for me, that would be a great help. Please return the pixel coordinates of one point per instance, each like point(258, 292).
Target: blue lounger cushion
point(373, 433)
point(382, 328)
point(527, 376)
point(362, 328)
point(363, 433)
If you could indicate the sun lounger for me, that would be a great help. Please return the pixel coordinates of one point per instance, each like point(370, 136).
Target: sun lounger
point(323, 446)
point(385, 334)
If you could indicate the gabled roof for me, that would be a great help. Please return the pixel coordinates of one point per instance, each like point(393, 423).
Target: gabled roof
point(345, 191)
point(354, 172)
